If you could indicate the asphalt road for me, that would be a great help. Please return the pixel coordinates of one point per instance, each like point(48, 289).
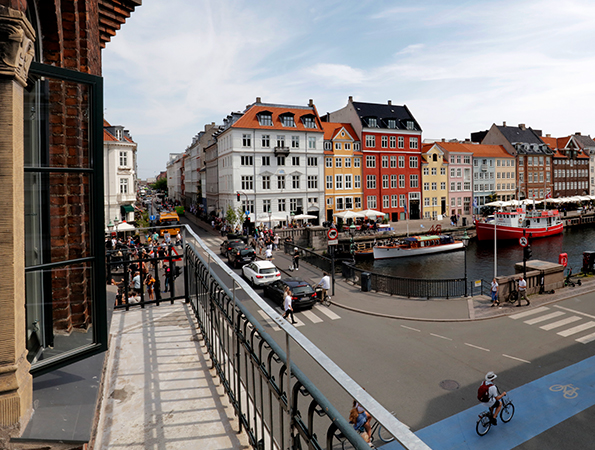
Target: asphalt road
point(428, 372)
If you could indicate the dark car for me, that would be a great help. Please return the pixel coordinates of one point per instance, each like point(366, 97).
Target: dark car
point(241, 255)
point(230, 244)
point(304, 295)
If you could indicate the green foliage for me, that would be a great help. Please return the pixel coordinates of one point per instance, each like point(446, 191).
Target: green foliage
point(160, 184)
point(231, 216)
point(142, 219)
point(180, 210)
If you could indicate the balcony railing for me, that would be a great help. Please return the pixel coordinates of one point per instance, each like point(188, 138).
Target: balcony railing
point(278, 406)
point(281, 151)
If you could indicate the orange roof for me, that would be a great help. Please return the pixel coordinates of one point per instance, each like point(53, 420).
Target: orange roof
point(108, 137)
point(551, 142)
point(489, 151)
point(563, 141)
point(331, 129)
point(250, 120)
point(426, 147)
point(557, 154)
point(106, 123)
point(453, 147)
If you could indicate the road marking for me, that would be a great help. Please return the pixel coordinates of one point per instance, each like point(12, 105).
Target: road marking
point(441, 337)
point(544, 318)
point(577, 329)
point(586, 339)
point(575, 312)
point(529, 313)
point(409, 328)
point(480, 348)
point(515, 358)
point(560, 323)
point(313, 317)
point(269, 321)
point(327, 311)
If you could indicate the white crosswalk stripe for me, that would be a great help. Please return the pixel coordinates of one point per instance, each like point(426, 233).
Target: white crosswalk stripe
point(577, 329)
point(529, 312)
point(303, 317)
point(560, 323)
point(544, 318)
point(534, 317)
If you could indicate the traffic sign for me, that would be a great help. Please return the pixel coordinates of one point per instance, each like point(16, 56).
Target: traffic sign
point(332, 234)
point(247, 213)
point(151, 218)
point(523, 241)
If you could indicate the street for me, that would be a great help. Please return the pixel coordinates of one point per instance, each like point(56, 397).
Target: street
point(428, 371)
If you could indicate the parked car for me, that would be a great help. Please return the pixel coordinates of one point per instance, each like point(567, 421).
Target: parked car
point(240, 256)
point(228, 245)
point(303, 294)
point(260, 273)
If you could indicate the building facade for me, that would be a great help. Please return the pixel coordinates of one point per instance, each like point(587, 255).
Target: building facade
point(484, 173)
point(175, 176)
point(460, 176)
point(391, 147)
point(119, 153)
point(434, 177)
point(272, 156)
point(342, 169)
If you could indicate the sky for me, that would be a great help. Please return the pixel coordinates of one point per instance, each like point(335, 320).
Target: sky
point(459, 66)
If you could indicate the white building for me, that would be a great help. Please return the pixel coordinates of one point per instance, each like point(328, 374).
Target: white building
point(175, 176)
point(194, 166)
point(119, 160)
point(272, 155)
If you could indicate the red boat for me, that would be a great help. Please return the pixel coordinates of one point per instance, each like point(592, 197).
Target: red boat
point(515, 224)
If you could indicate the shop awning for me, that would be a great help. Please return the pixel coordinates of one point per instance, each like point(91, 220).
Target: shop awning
point(127, 208)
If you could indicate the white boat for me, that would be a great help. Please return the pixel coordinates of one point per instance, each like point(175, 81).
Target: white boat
point(417, 245)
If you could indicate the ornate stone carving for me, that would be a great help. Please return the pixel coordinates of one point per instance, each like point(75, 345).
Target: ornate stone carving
point(16, 44)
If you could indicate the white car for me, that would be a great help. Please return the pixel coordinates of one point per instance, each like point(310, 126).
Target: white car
point(259, 273)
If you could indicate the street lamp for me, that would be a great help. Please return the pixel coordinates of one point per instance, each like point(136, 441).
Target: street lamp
point(110, 226)
point(116, 222)
point(465, 240)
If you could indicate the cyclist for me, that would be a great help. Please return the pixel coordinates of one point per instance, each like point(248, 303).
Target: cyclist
point(360, 418)
point(494, 403)
point(325, 284)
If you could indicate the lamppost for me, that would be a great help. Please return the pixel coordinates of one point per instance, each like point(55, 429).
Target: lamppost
point(117, 222)
point(465, 240)
point(270, 222)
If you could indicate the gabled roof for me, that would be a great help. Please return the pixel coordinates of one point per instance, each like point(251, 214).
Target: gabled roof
point(455, 147)
point(383, 112)
point(583, 141)
point(517, 134)
point(249, 119)
point(331, 129)
point(551, 142)
point(488, 151)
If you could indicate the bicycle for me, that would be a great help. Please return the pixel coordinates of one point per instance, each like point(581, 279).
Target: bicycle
point(326, 301)
point(375, 430)
point(484, 423)
point(513, 294)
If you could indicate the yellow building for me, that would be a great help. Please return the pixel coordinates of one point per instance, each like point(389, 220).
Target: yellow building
point(343, 189)
point(434, 179)
point(505, 178)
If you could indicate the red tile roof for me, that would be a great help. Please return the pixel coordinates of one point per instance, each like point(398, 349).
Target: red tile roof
point(489, 151)
point(108, 137)
point(250, 120)
point(331, 129)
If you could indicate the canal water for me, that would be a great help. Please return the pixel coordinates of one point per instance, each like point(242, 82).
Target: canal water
point(480, 257)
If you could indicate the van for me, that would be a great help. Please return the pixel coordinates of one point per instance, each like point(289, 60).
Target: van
point(171, 222)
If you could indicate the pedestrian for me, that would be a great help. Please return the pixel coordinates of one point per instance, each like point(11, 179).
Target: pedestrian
point(523, 291)
point(495, 301)
point(276, 242)
point(287, 305)
point(136, 281)
point(150, 282)
point(268, 253)
point(296, 258)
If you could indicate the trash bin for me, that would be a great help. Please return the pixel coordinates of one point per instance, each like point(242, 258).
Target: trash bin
point(366, 281)
point(464, 221)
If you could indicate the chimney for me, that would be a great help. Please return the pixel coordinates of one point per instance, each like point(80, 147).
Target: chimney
point(548, 135)
point(503, 124)
point(351, 99)
point(522, 126)
point(443, 139)
point(310, 103)
point(390, 102)
point(258, 100)
point(578, 133)
point(467, 141)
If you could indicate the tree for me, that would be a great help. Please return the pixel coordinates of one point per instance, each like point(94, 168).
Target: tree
point(160, 184)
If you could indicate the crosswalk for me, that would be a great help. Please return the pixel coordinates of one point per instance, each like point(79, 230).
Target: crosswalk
point(317, 314)
point(565, 322)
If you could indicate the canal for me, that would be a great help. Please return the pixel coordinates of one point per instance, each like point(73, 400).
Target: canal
point(480, 257)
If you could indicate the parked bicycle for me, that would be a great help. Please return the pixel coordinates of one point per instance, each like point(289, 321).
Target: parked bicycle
point(513, 293)
point(484, 423)
point(568, 281)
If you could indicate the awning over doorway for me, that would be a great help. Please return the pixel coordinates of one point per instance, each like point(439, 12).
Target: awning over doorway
point(127, 208)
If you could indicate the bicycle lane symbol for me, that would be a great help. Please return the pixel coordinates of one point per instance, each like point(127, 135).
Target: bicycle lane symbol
point(570, 391)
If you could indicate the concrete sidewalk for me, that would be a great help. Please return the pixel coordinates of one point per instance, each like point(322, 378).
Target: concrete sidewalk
point(158, 388)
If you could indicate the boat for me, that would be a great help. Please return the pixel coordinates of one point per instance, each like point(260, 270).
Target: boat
point(516, 224)
point(417, 245)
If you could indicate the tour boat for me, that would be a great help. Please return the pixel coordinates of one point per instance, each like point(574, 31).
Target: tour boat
point(515, 224)
point(417, 245)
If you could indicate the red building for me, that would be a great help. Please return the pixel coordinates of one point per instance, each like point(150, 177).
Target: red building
point(391, 147)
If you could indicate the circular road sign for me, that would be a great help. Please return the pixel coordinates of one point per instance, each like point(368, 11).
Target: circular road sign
point(523, 241)
point(332, 234)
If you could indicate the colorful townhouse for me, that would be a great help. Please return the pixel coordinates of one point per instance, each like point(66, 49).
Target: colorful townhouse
point(391, 148)
point(570, 164)
point(484, 173)
point(434, 177)
point(460, 176)
point(342, 169)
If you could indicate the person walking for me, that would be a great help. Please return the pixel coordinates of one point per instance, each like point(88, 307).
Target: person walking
point(288, 306)
point(296, 258)
point(523, 291)
point(494, 290)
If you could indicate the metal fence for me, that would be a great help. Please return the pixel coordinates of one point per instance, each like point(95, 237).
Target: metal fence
point(407, 287)
point(276, 403)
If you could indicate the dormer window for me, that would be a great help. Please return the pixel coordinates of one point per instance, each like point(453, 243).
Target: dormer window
point(392, 123)
point(287, 120)
point(410, 125)
point(309, 121)
point(265, 119)
point(118, 134)
point(372, 122)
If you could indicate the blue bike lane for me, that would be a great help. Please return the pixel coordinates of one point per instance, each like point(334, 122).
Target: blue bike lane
point(539, 406)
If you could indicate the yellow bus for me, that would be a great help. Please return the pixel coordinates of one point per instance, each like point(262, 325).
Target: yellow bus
point(171, 221)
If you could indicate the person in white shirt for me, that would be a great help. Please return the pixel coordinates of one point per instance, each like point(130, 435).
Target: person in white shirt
point(523, 291)
point(268, 253)
point(287, 305)
point(325, 284)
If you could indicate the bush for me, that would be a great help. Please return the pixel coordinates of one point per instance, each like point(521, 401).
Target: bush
point(180, 210)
